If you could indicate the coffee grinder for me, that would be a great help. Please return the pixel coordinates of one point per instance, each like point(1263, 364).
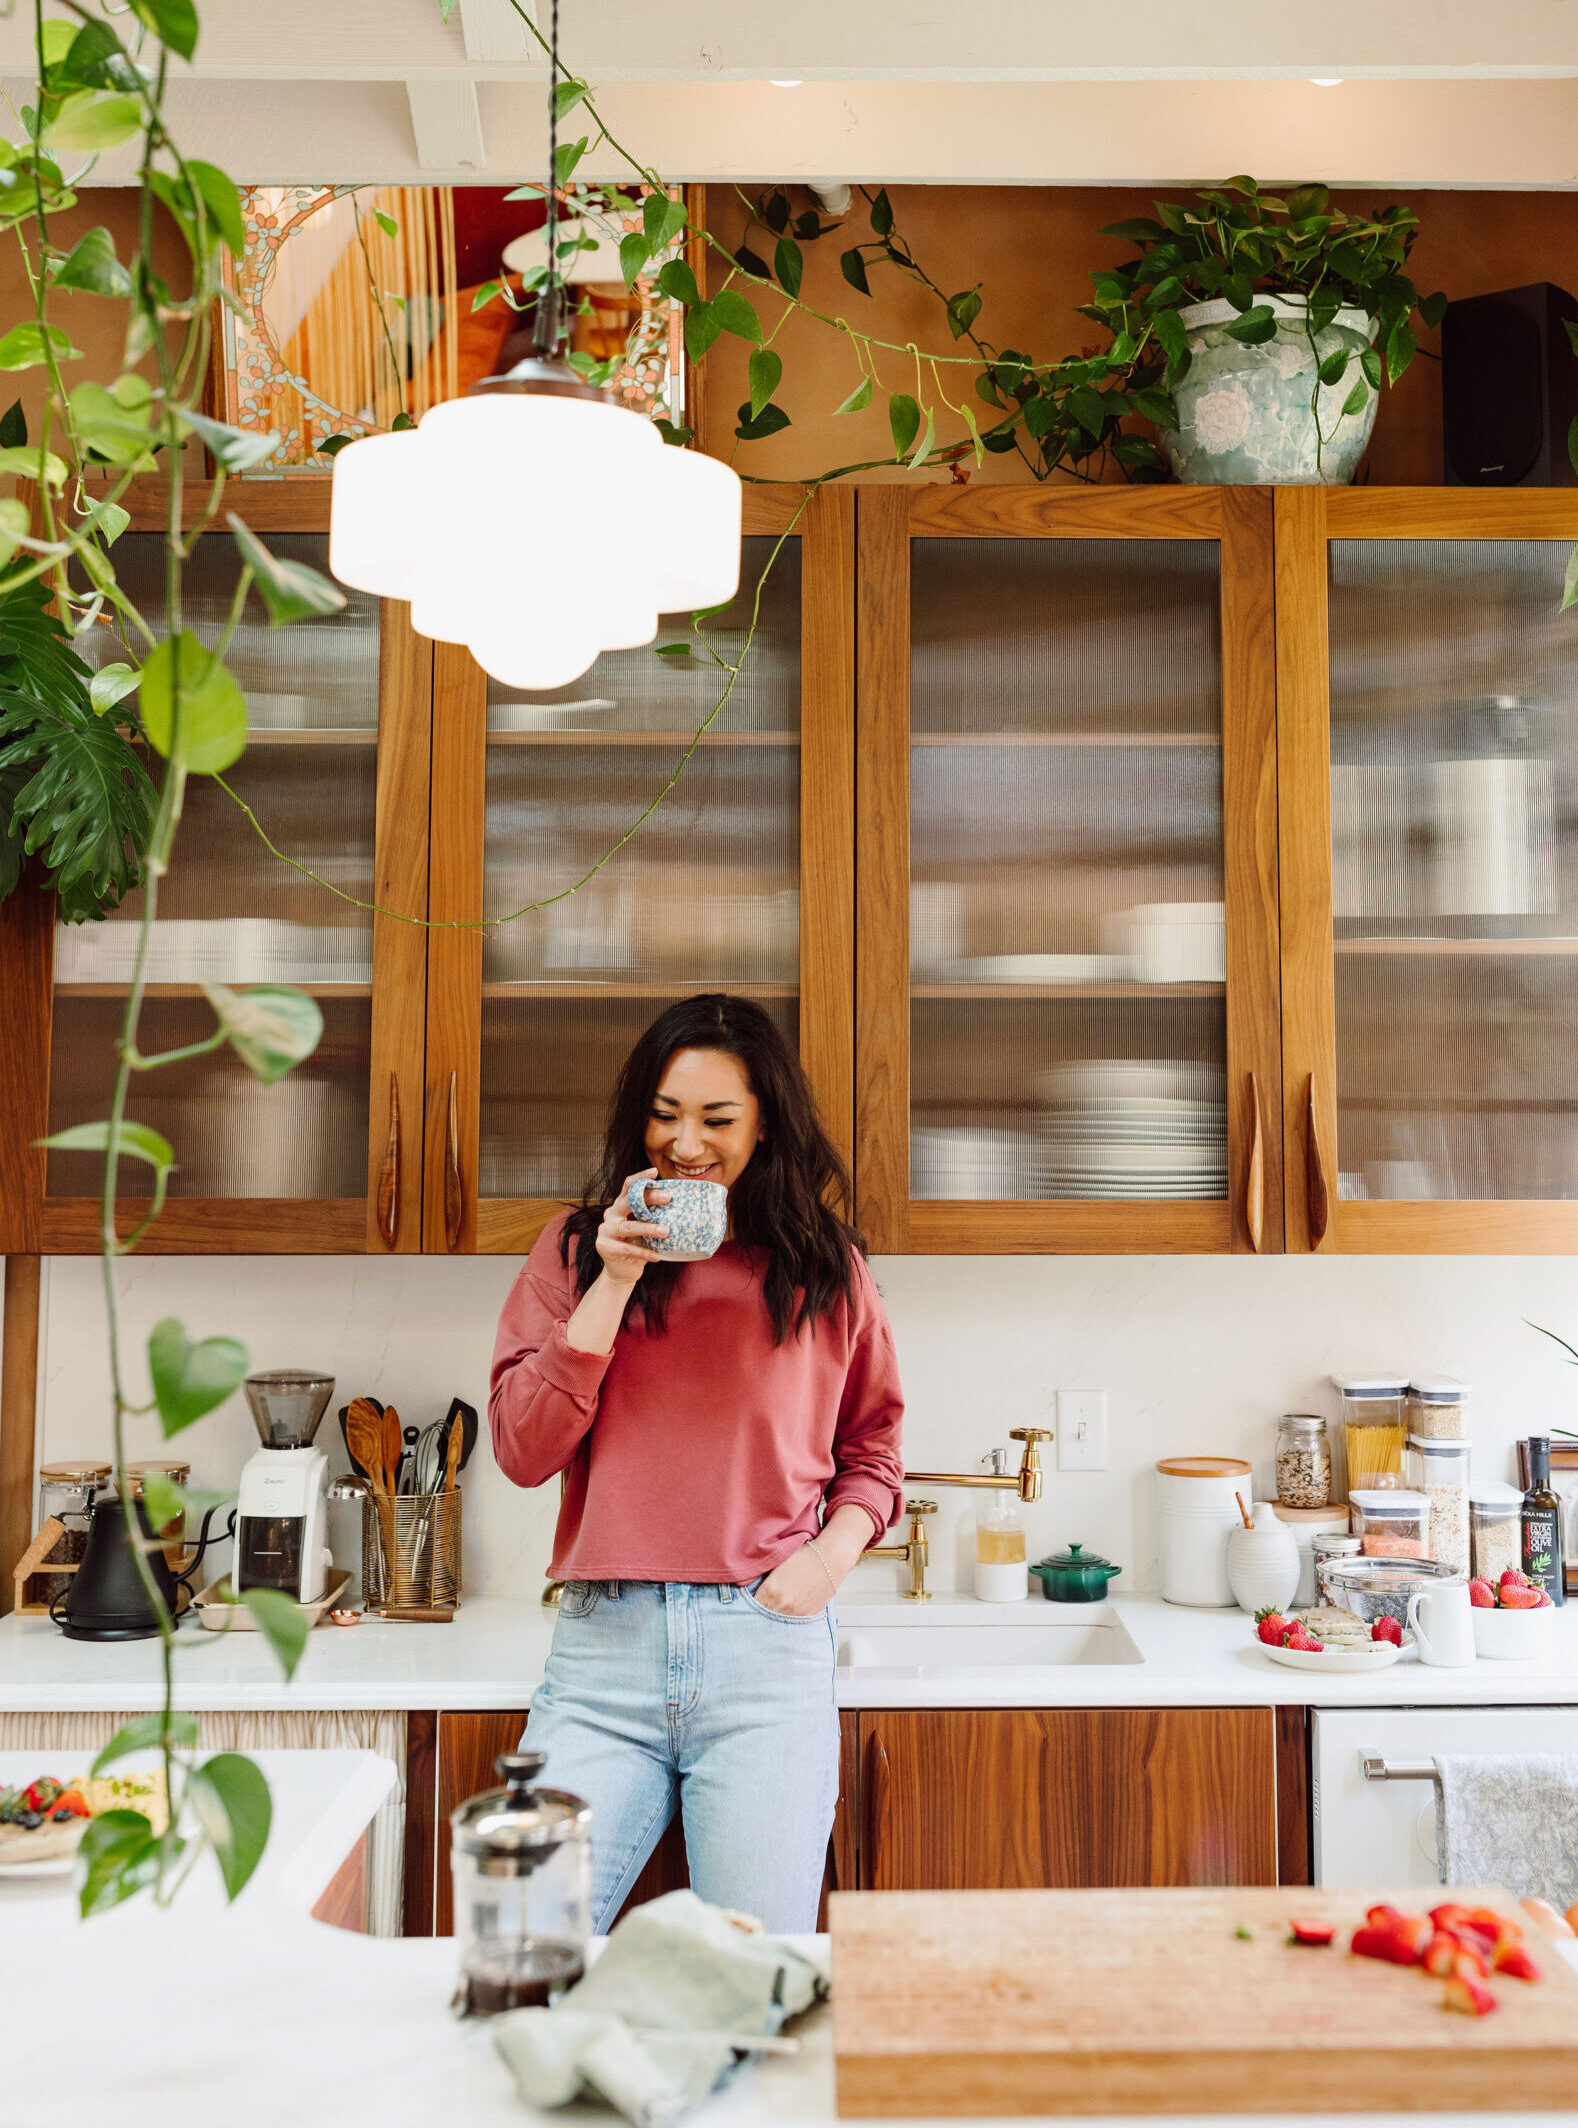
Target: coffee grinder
point(281, 1505)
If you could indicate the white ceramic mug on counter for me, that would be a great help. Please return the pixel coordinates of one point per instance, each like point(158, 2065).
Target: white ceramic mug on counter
point(1441, 1620)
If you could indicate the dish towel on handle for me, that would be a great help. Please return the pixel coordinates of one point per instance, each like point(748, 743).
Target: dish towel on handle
point(646, 2030)
point(1510, 1820)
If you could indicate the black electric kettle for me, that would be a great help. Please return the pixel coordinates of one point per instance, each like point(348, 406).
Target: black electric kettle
point(105, 1598)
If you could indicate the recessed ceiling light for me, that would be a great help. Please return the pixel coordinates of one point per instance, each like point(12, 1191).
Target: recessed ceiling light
point(1325, 81)
point(787, 84)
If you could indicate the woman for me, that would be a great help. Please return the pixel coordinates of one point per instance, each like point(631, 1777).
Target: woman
point(730, 1429)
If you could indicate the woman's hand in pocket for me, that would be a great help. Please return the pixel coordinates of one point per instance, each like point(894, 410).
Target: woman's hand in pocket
point(801, 1587)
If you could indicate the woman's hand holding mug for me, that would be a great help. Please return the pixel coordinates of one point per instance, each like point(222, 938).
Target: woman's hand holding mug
point(622, 1241)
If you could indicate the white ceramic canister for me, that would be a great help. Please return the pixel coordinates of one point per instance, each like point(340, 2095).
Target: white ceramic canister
point(1263, 1562)
point(1306, 1523)
point(1197, 1511)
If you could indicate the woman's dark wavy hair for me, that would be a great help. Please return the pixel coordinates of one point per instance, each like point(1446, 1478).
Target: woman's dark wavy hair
point(780, 1202)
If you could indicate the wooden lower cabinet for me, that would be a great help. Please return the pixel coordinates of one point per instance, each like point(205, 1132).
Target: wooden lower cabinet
point(955, 1799)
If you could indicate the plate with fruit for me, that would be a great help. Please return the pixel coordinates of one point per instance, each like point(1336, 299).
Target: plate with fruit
point(1328, 1639)
point(43, 1820)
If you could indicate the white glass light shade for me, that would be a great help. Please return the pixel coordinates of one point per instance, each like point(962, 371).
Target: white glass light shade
point(379, 510)
point(537, 528)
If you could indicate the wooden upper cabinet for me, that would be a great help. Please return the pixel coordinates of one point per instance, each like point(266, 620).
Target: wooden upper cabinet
point(732, 871)
point(1068, 1014)
point(335, 775)
point(1428, 752)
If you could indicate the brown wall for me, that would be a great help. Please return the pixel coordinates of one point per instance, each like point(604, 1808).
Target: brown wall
point(1033, 249)
point(97, 324)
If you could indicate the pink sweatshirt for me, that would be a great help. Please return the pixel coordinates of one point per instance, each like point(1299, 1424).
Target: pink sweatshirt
point(704, 1453)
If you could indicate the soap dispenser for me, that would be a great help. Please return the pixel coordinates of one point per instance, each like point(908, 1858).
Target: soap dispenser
point(1001, 1574)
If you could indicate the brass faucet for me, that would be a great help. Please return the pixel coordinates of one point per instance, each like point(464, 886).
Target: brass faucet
point(915, 1551)
point(1027, 1483)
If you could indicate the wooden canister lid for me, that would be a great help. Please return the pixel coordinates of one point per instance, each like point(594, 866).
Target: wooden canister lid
point(81, 1473)
point(1204, 1467)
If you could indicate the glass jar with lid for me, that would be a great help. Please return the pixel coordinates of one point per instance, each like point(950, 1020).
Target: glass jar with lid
point(1439, 1470)
point(1372, 1429)
point(1438, 1408)
point(66, 1493)
point(521, 1859)
point(1495, 1514)
point(1303, 1460)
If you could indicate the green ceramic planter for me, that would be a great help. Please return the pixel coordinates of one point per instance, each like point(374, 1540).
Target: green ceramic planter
point(1244, 413)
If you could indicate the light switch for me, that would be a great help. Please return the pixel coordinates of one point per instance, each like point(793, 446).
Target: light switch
point(1082, 1429)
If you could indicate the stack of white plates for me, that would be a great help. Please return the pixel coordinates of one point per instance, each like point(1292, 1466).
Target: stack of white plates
point(1122, 1127)
point(969, 1163)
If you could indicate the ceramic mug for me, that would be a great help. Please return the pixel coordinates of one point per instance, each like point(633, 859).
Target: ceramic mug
point(1442, 1623)
point(694, 1220)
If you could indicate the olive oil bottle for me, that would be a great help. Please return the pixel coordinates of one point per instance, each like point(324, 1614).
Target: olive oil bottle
point(1541, 1523)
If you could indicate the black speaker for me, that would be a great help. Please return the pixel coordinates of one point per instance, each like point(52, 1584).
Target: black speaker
point(1509, 389)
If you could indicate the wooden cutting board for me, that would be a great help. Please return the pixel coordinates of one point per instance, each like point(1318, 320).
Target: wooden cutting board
point(1037, 2002)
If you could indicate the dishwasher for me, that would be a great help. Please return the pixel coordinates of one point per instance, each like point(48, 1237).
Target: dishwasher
point(1373, 1792)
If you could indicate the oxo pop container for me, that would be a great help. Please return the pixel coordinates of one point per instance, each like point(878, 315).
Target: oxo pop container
point(1391, 1524)
point(1494, 1527)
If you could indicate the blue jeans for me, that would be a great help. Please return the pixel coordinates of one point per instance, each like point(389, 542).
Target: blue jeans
point(664, 1694)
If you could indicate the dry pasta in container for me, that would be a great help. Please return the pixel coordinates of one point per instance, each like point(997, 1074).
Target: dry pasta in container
point(1372, 1429)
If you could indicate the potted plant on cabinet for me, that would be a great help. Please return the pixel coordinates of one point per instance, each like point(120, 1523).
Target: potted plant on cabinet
point(1273, 323)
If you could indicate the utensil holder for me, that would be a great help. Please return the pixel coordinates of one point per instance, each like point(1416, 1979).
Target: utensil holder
point(425, 1571)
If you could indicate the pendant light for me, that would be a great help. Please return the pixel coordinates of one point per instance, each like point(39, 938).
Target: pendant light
point(536, 520)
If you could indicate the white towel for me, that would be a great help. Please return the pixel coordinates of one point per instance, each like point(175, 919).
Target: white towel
point(1512, 1820)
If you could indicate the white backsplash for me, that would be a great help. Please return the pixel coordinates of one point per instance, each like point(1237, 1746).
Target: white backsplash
point(1197, 1356)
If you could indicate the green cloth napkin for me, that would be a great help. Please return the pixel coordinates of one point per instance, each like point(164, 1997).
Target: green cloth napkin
point(641, 2030)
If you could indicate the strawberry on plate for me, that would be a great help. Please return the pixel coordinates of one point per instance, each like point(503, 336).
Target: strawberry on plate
point(1387, 1629)
point(1271, 1626)
point(1305, 1642)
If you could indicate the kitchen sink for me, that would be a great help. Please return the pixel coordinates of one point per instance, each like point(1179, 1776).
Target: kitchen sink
point(940, 1647)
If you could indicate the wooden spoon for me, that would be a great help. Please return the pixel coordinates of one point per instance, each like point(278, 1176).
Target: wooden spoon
point(452, 1456)
point(394, 1444)
point(364, 1436)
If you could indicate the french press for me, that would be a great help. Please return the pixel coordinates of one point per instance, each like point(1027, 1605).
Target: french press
point(521, 1859)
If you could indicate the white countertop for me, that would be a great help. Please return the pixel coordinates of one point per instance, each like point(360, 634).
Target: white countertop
point(325, 2030)
point(492, 1655)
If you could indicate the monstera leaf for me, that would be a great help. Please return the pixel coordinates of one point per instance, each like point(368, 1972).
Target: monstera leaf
point(71, 786)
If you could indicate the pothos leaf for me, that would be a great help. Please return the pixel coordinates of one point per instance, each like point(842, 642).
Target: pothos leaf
point(766, 369)
point(904, 418)
point(271, 1027)
point(189, 1381)
point(858, 400)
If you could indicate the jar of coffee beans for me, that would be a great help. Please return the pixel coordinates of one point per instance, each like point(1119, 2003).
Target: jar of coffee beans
point(1303, 1460)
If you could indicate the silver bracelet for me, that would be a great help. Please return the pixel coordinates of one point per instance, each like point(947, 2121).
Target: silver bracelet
point(810, 1545)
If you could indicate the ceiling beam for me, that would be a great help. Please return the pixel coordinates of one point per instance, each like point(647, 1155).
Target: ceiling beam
point(880, 40)
point(1512, 135)
point(447, 126)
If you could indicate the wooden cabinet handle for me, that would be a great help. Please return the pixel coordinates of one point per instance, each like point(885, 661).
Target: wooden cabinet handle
point(1315, 1176)
point(1255, 1187)
point(454, 1195)
point(877, 1784)
point(388, 1201)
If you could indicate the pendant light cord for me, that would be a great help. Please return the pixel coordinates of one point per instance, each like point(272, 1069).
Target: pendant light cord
point(545, 332)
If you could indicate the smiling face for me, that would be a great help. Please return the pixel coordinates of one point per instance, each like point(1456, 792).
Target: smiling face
point(705, 1121)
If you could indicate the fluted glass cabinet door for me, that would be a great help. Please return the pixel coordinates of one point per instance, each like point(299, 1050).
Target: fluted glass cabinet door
point(1066, 715)
point(655, 876)
point(1438, 1016)
point(296, 1164)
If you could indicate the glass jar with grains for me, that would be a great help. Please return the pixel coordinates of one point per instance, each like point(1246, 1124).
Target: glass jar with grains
point(1438, 1408)
point(1303, 1460)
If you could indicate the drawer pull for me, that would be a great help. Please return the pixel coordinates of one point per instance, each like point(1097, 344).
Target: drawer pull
point(1319, 1202)
point(388, 1197)
point(1255, 1187)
